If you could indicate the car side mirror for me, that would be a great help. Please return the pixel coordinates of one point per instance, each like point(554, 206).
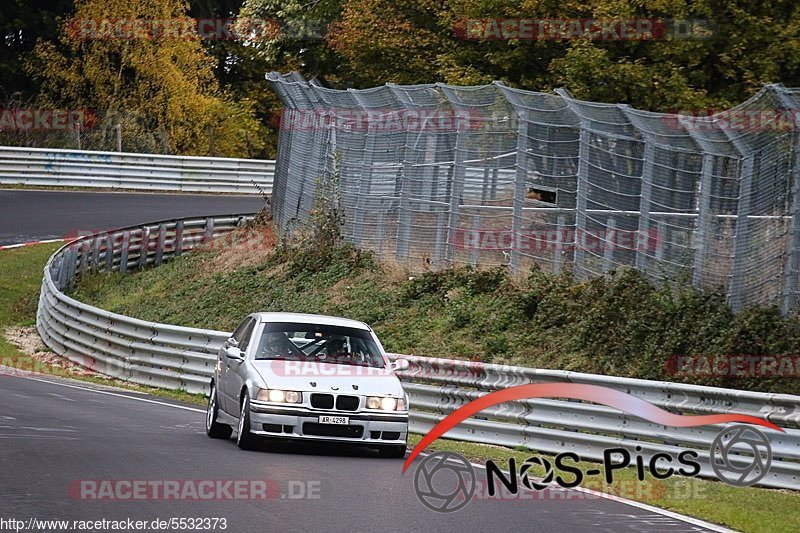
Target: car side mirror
point(231, 342)
point(234, 353)
point(400, 364)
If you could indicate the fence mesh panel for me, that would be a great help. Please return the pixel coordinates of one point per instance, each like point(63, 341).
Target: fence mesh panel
point(439, 175)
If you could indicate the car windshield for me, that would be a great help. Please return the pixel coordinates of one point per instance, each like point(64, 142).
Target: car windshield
point(317, 342)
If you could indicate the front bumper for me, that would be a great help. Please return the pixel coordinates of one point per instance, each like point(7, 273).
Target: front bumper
point(299, 422)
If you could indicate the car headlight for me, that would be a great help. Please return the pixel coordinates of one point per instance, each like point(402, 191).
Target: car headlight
point(385, 403)
point(279, 396)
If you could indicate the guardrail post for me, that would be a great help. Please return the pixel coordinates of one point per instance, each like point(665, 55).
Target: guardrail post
point(209, 235)
point(123, 254)
point(98, 242)
point(57, 272)
point(110, 252)
point(72, 261)
point(86, 247)
point(144, 244)
point(162, 237)
point(178, 238)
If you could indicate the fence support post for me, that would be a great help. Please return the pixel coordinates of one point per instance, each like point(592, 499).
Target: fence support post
point(644, 202)
point(740, 243)
point(520, 187)
point(703, 227)
point(476, 230)
point(558, 259)
point(608, 245)
point(580, 203)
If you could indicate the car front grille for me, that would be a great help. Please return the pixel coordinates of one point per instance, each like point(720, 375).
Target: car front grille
point(347, 403)
point(331, 430)
point(322, 401)
point(326, 401)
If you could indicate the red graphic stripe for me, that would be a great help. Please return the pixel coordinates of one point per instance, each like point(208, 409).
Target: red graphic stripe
point(575, 391)
point(13, 246)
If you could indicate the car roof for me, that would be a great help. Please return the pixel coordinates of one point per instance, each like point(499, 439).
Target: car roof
point(304, 318)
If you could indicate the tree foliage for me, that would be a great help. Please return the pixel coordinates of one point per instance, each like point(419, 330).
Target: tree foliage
point(162, 84)
point(178, 88)
point(417, 41)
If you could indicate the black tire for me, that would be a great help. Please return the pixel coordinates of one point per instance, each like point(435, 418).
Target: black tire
point(393, 452)
point(214, 429)
point(244, 439)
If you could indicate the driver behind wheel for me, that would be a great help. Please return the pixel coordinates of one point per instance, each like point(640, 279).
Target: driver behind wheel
point(272, 345)
point(336, 348)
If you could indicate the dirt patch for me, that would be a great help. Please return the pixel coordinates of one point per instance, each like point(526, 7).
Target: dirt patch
point(27, 340)
point(240, 248)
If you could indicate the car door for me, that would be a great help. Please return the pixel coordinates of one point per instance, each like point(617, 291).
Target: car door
point(229, 382)
point(238, 369)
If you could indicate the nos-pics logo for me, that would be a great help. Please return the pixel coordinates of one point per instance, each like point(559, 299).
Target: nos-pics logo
point(739, 455)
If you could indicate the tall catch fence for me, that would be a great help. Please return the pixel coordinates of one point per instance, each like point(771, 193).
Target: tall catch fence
point(440, 175)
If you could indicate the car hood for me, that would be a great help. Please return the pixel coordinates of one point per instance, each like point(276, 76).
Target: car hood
point(327, 377)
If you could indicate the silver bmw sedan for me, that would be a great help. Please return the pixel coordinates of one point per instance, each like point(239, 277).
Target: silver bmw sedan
point(312, 377)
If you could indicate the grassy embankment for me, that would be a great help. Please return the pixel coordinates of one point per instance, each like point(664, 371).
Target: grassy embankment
point(20, 281)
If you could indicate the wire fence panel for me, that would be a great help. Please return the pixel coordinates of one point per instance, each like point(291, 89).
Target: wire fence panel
point(439, 175)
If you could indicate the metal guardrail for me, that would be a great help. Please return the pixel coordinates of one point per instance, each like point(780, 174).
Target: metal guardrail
point(175, 357)
point(437, 387)
point(149, 172)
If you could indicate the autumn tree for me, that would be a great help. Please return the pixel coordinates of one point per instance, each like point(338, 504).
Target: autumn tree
point(746, 45)
point(158, 83)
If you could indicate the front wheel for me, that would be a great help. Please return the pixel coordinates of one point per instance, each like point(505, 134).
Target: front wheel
point(244, 439)
point(394, 452)
point(214, 429)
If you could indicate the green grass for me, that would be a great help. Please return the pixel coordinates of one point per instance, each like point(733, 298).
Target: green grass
point(21, 272)
point(746, 509)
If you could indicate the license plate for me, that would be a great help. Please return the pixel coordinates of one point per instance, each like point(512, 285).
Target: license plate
point(339, 420)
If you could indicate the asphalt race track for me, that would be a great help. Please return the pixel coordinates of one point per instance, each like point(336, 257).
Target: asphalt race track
point(56, 433)
point(28, 215)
